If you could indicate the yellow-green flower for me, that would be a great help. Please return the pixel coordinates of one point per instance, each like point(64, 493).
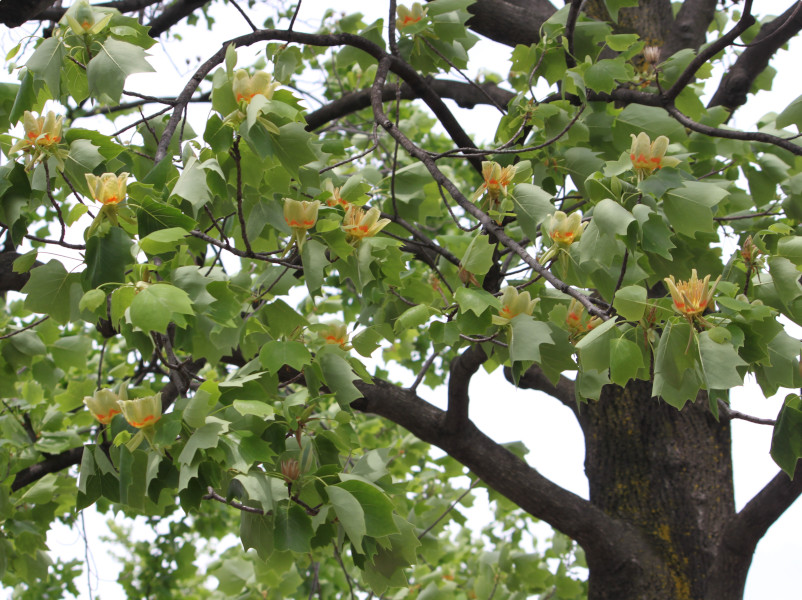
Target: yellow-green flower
point(691, 297)
point(648, 156)
point(42, 135)
point(142, 412)
point(359, 224)
point(514, 303)
point(496, 180)
point(576, 320)
point(407, 16)
point(108, 189)
point(301, 215)
point(103, 405)
point(83, 19)
point(246, 87)
point(564, 229)
point(334, 199)
point(335, 334)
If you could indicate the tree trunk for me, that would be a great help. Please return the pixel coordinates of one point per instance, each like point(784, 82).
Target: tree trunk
point(668, 473)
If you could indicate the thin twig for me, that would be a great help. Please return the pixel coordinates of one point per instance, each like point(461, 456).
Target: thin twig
point(100, 364)
point(212, 495)
point(26, 328)
point(244, 16)
point(422, 373)
point(49, 191)
point(235, 154)
point(345, 571)
point(734, 414)
point(449, 509)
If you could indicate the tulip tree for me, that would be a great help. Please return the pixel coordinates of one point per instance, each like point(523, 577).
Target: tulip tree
point(260, 296)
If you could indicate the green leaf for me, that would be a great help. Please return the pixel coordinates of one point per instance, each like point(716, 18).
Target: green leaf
point(350, 514)
point(192, 186)
point(719, 363)
point(293, 528)
point(256, 531)
point(157, 305)
point(612, 218)
point(315, 262)
point(626, 359)
point(339, 376)
point(478, 256)
point(276, 354)
point(594, 348)
point(53, 291)
point(412, 318)
point(630, 302)
point(476, 301)
point(46, 62)
point(689, 208)
point(791, 115)
point(152, 216)
point(526, 337)
point(258, 408)
point(621, 41)
point(604, 75)
point(378, 508)
point(107, 258)
point(613, 6)
point(109, 68)
point(786, 441)
point(532, 205)
point(163, 240)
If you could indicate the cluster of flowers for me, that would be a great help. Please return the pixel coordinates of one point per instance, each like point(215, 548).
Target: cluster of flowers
point(140, 412)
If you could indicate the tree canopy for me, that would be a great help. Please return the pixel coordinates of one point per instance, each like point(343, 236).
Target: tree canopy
point(250, 306)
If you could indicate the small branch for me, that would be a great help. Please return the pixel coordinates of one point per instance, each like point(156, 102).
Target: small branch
point(26, 328)
point(244, 15)
point(422, 373)
point(570, 25)
point(449, 509)
point(731, 413)
point(212, 495)
point(235, 154)
point(49, 191)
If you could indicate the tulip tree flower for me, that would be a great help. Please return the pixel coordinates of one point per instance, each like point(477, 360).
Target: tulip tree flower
point(335, 334)
point(409, 16)
point(142, 412)
point(691, 297)
point(300, 215)
point(103, 405)
point(246, 87)
point(514, 303)
point(576, 320)
point(42, 136)
point(496, 180)
point(83, 19)
point(108, 189)
point(359, 224)
point(648, 156)
point(334, 198)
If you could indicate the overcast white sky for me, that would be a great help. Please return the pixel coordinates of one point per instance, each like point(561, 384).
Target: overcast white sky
point(543, 424)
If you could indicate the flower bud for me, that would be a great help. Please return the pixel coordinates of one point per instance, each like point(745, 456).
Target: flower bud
point(564, 229)
point(290, 470)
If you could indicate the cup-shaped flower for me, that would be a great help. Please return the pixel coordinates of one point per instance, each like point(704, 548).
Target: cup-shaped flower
point(496, 180)
point(648, 156)
point(42, 133)
point(103, 405)
point(335, 334)
point(576, 319)
point(513, 303)
point(142, 412)
point(300, 215)
point(691, 297)
point(409, 16)
point(359, 224)
point(108, 189)
point(246, 87)
point(84, 19)
point(564, 229)
point(334, 198)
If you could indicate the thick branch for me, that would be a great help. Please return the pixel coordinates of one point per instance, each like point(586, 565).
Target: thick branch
point(535, 379)
point(465, 95)
point(463, 368)
point(689, 29)
point(510, 22)
point(14, 13)
point(10, 280)
point(174, 13)
point(601, 536)
point(124, 6)
point(745, 530)
point(738, 80)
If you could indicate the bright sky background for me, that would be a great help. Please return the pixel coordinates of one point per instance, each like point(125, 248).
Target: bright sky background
point(547, 428)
